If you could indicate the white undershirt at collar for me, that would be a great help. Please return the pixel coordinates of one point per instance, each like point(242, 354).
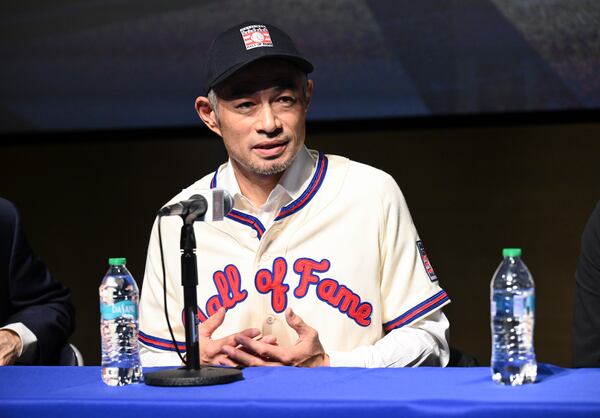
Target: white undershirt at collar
point(290, 187)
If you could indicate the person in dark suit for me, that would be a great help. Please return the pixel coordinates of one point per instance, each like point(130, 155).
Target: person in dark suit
point(36, 313)
point(586, 316)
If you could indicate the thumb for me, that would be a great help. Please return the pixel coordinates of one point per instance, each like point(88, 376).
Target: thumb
point(296, 322)
point(213, 322)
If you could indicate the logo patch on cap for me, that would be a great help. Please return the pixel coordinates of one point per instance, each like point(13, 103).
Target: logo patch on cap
point(428, 268)
point(256, 36)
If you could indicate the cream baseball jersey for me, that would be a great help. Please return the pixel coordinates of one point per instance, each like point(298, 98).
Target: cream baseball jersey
point(344, 254)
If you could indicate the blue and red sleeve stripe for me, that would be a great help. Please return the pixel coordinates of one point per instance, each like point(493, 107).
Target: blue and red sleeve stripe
point(160, 343)
point(418, 311)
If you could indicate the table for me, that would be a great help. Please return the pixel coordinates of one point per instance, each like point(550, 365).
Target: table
point(287, 392)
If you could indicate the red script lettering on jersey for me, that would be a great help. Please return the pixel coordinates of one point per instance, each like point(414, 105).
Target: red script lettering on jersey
point(229, 289)
point(267, 281)
point(330, 291)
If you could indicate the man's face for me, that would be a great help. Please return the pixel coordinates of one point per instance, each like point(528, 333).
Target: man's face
point(261, 116)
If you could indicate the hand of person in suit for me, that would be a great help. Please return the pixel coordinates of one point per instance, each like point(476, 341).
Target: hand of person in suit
point(306, 352)
point(10, 347)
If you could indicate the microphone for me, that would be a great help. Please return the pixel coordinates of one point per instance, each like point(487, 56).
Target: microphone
point(207, 205)
point(195, 204)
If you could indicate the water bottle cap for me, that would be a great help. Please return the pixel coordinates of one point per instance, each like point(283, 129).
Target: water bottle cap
point(511, 252)
point(120, 261)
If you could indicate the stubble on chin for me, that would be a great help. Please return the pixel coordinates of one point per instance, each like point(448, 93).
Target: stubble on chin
point(271, 169)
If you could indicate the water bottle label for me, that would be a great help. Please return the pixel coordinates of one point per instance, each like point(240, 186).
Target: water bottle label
point(110, 311)
point(529, 304)
point(515, 305)
point(518, 305)
point(524, 305)
point(502, 305)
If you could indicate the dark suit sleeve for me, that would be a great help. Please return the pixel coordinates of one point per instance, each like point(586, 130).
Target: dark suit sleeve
point(586, 317)
point(34, 298)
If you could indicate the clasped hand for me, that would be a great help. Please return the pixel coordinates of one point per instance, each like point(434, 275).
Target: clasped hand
point(242, 349)
point(10, 347)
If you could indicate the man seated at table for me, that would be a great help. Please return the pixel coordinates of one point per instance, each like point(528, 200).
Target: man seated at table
point(36, 313)
point(319, 263)
point(586, 318)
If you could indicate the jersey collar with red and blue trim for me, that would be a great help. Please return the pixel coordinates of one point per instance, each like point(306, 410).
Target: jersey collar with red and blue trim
point(293, 207)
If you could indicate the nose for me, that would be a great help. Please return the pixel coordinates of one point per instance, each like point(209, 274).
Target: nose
point(268, 121)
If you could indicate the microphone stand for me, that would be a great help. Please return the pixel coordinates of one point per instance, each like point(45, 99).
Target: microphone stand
point(192, 374)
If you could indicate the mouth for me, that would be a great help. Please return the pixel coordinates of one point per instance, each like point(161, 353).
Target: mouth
point(271, 149)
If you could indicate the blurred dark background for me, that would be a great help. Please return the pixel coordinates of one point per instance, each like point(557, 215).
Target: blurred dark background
point(485, 112)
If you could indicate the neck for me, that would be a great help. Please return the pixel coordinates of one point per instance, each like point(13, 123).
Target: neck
point(256, 187)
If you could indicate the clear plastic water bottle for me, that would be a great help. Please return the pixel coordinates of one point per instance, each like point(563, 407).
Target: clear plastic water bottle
point(119, 298)
point(513, 315)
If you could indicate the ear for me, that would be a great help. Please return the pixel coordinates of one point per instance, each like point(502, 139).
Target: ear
point(207, 114)
point(309, 90)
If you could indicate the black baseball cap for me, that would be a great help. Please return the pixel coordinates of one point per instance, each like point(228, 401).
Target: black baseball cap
point(245, 43)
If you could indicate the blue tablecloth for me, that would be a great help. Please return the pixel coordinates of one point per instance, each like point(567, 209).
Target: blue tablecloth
point(293, 392)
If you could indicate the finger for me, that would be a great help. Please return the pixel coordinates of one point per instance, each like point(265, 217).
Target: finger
point(213, 322)
point(241, 357)
point(296, 322)
point(269, 339)
point(250, 332)
point(7, 359)
point(230, 339)
point(226, 361)
point(260, 348)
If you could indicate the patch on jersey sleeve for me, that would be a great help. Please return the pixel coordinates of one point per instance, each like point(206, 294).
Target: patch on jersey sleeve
point(428, 268)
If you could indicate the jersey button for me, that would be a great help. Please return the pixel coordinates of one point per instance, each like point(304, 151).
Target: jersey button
point(253, 233)
point(265, 257)
point(270, 319)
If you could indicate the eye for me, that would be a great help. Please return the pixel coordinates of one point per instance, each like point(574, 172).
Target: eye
point(288, 100)
point(244, 105)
